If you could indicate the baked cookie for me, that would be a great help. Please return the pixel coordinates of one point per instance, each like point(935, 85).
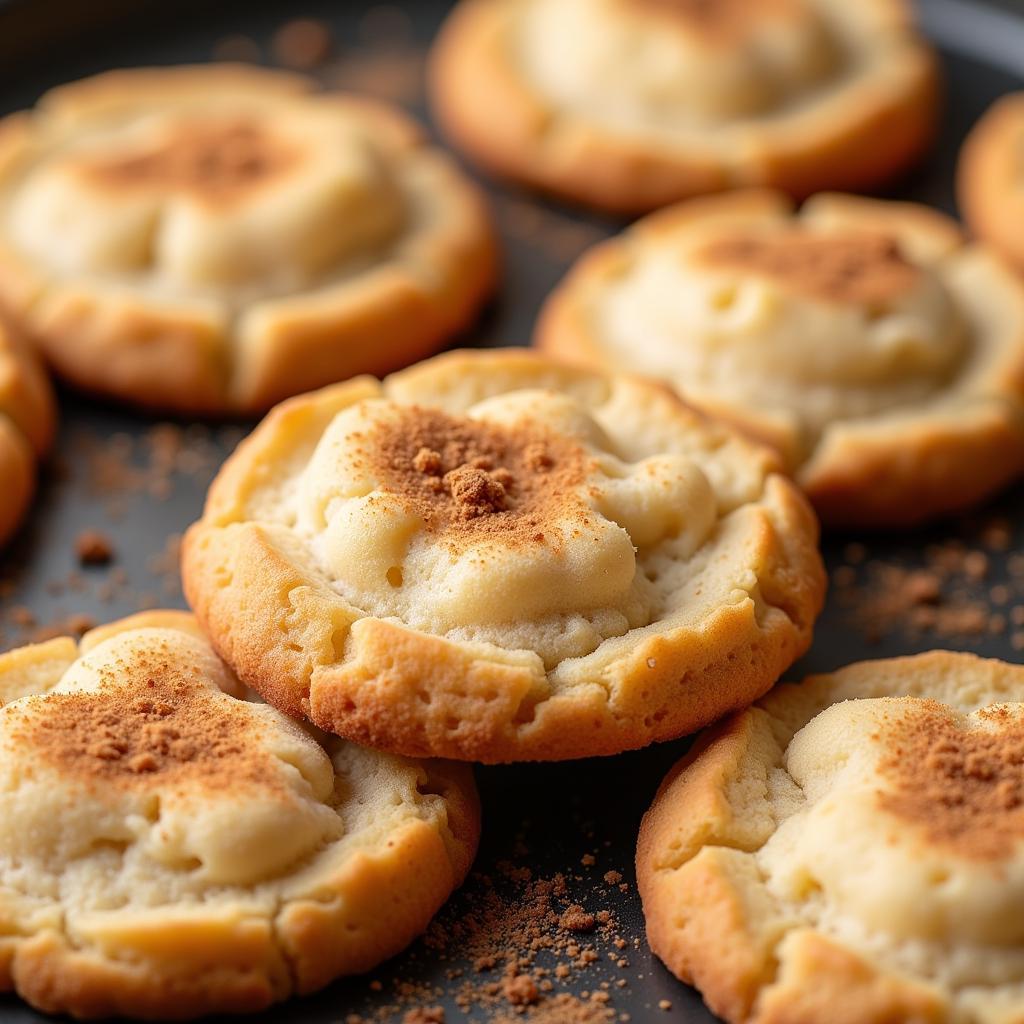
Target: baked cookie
point(170, 848)
point(849, 851)
point(28, 421)
point(495, 557)
point(990, 178)
point(627, 105)
point(213, 239)
point(879, 353)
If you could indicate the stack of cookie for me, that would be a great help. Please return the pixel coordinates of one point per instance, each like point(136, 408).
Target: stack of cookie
point(512, 555)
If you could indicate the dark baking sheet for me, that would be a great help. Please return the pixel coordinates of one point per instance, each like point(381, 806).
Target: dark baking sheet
point(147, 485)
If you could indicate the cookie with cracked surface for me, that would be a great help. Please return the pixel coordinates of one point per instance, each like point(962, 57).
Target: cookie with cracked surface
point(170, 848)
point(627, 105)
point(28, 422)
point(493, 556)
point(849, 850)
point(866, 340)
point(990, 178)
point(214, 239)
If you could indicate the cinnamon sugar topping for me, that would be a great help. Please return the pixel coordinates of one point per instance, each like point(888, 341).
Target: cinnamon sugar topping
point(469, 477)
point(718, 17)
point(963, 786)
point(210, 158)
point(858, 268)
point(167, 726)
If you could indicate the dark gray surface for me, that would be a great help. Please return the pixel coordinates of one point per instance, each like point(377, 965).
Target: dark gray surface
point(566, 810)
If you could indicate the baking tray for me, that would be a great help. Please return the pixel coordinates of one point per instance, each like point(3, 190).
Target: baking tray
point(142, 483)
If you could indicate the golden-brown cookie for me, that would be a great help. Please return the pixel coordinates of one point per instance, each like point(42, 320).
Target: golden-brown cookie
point(850, 850)
point(496, 557)
point(28, 421)
point(876, 350)
point(990, 178)
point(628, 105)
point(170, 847)
point(213, 239)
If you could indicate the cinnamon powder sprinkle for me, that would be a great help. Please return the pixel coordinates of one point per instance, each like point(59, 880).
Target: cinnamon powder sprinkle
point(719, 17)
point(212, 159)
point(958, 592)
point(858, 268)
point(469, 478)
point(168, 724)
point(963, 786)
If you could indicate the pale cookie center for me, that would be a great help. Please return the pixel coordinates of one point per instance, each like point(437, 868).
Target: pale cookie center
point(137, 751)
point(230, 207)
point(669, 66)
point(804, 326)
point(215, 161)
point(512, 524)
point(912, 825)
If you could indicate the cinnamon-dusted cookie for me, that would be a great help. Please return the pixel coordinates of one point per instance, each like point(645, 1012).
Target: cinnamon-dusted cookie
point(496, 557)
point(628, 105)
point(990, 178)
point(851, 850)
point(28, 421)
point(211, 239)
point(876, 350)
point(171, 848)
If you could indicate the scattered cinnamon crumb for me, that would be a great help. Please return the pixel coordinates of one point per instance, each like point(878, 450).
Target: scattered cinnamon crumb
point(424, 1015)
point(71, 625)
point(576, 919)
point(93, 547)
point(521, 989)
point(944, 597)
point(238, 48)
point(302, 44)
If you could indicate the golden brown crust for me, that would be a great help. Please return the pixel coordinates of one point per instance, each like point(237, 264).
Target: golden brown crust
point(990, 177)
point(881, 126)
point(240, 950)
point(709, 913)
point(190, 352)
point(887, 470)
point(28, 421)
point(288, 634)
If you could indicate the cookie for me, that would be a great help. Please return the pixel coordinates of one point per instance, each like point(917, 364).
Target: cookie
point(28, 421)
point(990, 178)
point(627, 105)
point(849, 851)
point(491, 556)
point(170, 847)
point(881, 354)
point(213, 239)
